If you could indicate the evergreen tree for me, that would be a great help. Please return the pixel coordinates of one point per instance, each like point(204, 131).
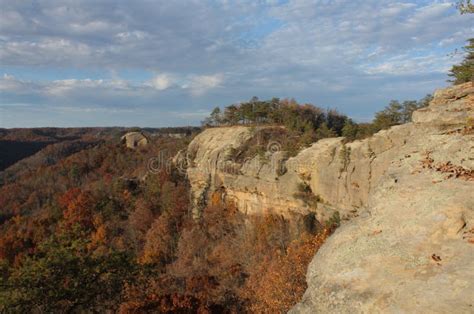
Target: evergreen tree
point(464, 72)
point(465, 6)
point(390, 116)
point(324, 132)
point(216, 118)
point(350, 130)
point(408, 107)
point(231, 115)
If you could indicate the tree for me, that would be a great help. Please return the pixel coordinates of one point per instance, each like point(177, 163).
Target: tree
point(65, 277)
point(262, 110)
point(464, 72)
point(78, 207)
point(278, 283)
point(336, 121)
point(161, 241)
point(390, 116)
point(275, 114)
point(408, 107)
point(324, 132)
point(465, 6)
point(207, 122)
point(350, 130)
point(247, 111)
point(140, 220)
point(216, 118)
point(231, 114)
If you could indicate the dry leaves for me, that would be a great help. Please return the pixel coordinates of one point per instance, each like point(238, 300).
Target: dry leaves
point(453, 171)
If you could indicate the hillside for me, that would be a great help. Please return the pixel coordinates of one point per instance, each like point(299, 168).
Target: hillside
point(234, 219)
point(118, 217)
point(405, 193)
point(17, 144)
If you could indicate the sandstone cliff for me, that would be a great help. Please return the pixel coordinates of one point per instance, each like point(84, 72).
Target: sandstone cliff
point(254, 185)
point(413, 249)
point(407, 193)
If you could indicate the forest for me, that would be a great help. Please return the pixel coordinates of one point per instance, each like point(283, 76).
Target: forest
point(94, 232)
point(307, 123)
point(86, 227)
point(85, 213)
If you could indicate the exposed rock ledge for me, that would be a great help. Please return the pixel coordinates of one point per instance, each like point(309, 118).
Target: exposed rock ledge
point(414, 250)
point(409, 246)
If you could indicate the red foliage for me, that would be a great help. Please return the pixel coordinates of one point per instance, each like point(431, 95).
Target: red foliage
point(77, 205)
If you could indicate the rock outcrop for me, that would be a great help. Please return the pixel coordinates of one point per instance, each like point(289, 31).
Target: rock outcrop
point(408, 245)
point(134, 140)
point(254, 185)
point(413, 248)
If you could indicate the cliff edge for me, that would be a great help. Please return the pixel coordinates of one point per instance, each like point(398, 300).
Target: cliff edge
point(413, 249)
point(405, 193)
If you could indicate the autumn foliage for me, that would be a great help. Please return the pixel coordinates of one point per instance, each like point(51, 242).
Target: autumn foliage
point(93, 233)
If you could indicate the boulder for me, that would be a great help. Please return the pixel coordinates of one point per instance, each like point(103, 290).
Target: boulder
point(134, 140)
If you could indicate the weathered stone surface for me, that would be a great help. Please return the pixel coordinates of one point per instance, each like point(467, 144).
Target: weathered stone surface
point(450, 106)
point(134, 139)
point(254, 186)
point(407, 192)
point(413, 249)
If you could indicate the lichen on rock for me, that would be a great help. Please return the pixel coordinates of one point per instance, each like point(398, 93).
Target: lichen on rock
point(413, 252)
point(407, 243)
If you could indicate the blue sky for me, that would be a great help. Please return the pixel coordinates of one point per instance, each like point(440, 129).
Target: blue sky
point(168, 63)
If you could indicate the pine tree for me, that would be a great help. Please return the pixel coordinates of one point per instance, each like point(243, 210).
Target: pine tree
point(464, 72)
point(465, 6)
point(216, 117)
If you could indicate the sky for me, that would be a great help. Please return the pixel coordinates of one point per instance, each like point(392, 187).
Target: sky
point(168, 63)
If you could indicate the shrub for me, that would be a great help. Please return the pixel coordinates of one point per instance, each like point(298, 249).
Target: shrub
point(306, 195)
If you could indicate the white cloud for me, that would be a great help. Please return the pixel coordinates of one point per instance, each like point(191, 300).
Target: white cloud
point(91, 27)
point(160, 81)
point(202, 54)
point(201, 84)
point(409, 65)
point(201, 114)
point(9, 83)
point(47, 51)
point(124, 37)
point(395, 9)
point(92, 109)
point(65, 87)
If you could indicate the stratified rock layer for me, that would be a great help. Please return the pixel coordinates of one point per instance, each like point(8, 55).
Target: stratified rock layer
point(408, 194)
point(412, 250)
point(254, 185)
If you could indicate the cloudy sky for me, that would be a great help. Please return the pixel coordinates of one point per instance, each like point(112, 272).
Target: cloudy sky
point(167, 63)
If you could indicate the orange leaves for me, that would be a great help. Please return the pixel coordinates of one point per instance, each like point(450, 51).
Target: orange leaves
point(276, 286)
point(141, 218)
point(99, 237)
point(216, 199)
point(126, 194)
point(160, 241)
point(77, 206)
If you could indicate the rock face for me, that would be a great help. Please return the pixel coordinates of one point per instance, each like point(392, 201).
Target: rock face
point(407, 193)
point(134, 140)
point(254, 185)
point(413, 248)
